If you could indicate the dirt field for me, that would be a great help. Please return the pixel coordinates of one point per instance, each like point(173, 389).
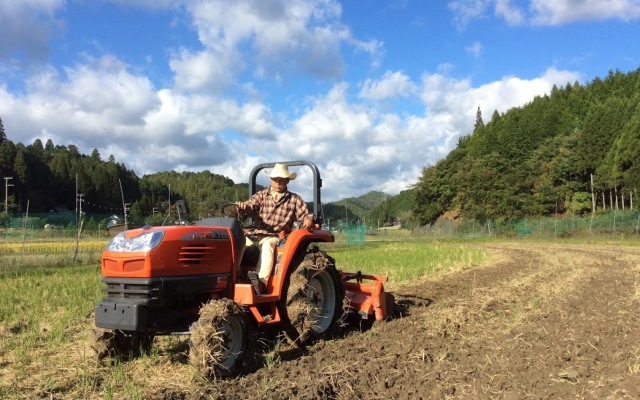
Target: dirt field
point(533, 321)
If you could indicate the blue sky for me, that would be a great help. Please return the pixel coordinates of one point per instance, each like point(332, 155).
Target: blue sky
point(371, 91)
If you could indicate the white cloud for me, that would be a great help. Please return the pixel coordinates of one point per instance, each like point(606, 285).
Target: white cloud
point(153, 4)
point(284, 37)
point(445, 96)
point(544, 12)
point(206, 70)
point(373, 47)
point(26, 29)
point(90, 101)
point(475, 49)
point(511, 14)
point(553, 12)
point(391, 85)
point(359, 147)
point(464, 11)
point(205, 114)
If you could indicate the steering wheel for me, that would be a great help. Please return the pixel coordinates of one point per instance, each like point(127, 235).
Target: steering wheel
point(230, 210)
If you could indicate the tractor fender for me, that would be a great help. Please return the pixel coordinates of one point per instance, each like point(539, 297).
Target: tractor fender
point(292, 251)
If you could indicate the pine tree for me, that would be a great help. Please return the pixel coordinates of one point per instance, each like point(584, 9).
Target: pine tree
point(479, 122)
point(3, 136)
point(7, 156)
point(95, 155)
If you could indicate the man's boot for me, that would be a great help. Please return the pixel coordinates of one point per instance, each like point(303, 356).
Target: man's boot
point(253, 277)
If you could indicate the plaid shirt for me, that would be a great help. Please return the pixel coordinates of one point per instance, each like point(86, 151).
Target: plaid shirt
point(271, 217)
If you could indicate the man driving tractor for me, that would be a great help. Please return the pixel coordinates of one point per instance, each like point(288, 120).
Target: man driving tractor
point(275, 210)
point(192, 279)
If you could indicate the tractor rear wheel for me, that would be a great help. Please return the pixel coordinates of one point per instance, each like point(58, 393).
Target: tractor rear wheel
point(218, 339)
point(312, 296)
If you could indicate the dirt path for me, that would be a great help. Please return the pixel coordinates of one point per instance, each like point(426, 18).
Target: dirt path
point(533, 321)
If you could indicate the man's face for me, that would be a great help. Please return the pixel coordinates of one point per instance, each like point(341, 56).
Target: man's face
point(279, 184)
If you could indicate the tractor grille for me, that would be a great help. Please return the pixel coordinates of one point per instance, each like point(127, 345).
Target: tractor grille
point(195, 254)
point(163, 291)
point(127, 290)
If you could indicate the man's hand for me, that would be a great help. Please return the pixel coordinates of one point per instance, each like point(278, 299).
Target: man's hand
point(307, 222)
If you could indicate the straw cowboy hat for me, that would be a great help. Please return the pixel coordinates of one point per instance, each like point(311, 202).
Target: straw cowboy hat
point(281, 171)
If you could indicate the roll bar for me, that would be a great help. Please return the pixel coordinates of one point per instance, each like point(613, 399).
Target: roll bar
point(317, 182)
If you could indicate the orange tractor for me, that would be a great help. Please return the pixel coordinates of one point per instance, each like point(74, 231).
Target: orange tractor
point(192, 280)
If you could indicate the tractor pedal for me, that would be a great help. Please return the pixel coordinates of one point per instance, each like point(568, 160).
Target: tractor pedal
point(253, 277)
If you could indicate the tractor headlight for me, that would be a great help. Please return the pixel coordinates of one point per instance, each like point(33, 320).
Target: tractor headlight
point(143, 242)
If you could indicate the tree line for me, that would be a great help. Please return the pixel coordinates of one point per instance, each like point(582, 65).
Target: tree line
point(56, 178)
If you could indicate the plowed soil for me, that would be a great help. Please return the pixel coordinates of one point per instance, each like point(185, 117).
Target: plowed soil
point(532, 321)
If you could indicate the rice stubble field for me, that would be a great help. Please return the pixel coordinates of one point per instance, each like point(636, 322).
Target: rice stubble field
point(530, 320)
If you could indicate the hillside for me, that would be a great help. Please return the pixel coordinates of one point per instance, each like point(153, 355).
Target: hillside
point(576, 150)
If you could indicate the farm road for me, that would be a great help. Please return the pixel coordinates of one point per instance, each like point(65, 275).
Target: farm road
point(539, 321)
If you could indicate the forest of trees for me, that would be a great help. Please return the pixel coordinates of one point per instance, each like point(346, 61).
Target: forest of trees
point(46, 176)
point(568, 151)
point(56, 178)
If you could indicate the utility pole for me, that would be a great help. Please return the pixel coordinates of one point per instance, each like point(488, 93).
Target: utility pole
point(6, 193)
point(76, 210)
point(79, 200)
point(125, 206)
point(126, 210)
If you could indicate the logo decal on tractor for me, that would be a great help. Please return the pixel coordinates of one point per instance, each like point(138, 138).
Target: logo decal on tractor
point(213, 235)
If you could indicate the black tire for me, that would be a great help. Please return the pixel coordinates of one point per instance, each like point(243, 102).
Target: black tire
point(115, 343)
point(218, 340)
point(312, 297)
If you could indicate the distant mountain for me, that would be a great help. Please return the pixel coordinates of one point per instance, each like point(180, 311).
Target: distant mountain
point(353, 208)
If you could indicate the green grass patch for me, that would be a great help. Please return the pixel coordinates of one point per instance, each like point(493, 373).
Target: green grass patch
point(405, 261)
point(41, 308)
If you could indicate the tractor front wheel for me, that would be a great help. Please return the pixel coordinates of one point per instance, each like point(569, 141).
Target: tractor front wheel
point(117, 343)
point(218, 339)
